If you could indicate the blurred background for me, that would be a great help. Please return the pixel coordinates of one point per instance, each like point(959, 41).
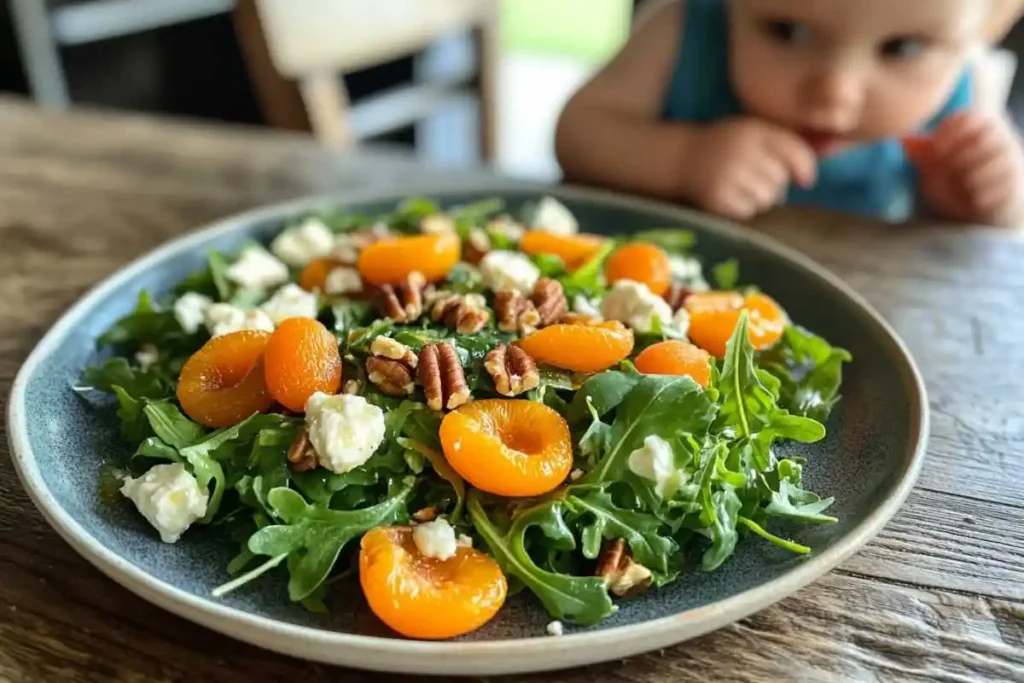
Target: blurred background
point(457, 81)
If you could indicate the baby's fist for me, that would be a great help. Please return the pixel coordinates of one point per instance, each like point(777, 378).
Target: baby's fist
point(972, 169)
point(741, 167)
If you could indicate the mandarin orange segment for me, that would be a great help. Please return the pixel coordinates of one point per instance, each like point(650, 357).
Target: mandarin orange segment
point(315, 273)
point(301, 359)
point(427, 598)
point(222, 383)
point(508, 447)
point(713, 317)
point(389, 262)
point(588, 347)
point(641, 262)
point(574, 250)
point(675, 357)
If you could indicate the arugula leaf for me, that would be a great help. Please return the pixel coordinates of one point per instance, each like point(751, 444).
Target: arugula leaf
point(660, 405)
point(549, 265)
point(810, 371)
point(153, 447)
point(219, 274)
point(794, 502)
point(725, 507)
point(673, 240)
point(580, 599)
point(588, 279)
point(135, 382)
point(727, 274)
point(476, 213)
point(134, 425)
point(312, 537)
point(601, 394)
point(746, 400)
point(171, 426)
point(350, 314)
point(443, 469)
point(641, 531)
point(464, 279)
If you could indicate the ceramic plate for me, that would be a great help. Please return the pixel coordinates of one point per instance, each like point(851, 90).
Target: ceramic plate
point(868, 462)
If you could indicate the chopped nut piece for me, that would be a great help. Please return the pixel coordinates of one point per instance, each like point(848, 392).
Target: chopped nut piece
point(478, 244)
point(440, 373)
point(300, 454)
point(507, 227)
point(549, 299)
point(404, 303)
point(437, 224)
point(513, 370)
point(427, 514)
point(625, 576)
point(515, 313)
point(464, 312)
point(677, 295)
point(391, 367)
point(352, 386)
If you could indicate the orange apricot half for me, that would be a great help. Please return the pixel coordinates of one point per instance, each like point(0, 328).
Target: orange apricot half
point(588, 347)
point(390, 261)
point(574, 250)
point(508, 447)
point(222, 383)
point(424, 597)
point(675, 357)
point(713, 318)
point(301, 359)
point(640, 262)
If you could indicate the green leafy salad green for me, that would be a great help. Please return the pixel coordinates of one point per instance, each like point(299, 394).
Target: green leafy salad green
point(726, 479)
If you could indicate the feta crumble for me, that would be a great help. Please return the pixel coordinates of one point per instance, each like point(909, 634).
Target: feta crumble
point(636, 306)
point(343, 280)
point(688, 271)
point(504, 270)
point(555, 628)
point(681, 322)
point(299, 245)
point(224, 319)
point(591, 308)
point(344, 430)
point(554, 217)
point(147, 355)
point(435, 539)
point(169, 497)
point(257, 268)
point(190, 311)
point(655, 462)
point(290, 301)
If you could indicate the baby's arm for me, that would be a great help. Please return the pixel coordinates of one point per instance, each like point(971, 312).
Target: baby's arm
point(612, 134)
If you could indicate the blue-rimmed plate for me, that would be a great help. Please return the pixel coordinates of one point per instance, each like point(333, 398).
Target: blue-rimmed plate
point(868, 463)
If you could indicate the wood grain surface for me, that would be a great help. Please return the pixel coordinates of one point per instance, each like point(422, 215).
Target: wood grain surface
point(939, 596)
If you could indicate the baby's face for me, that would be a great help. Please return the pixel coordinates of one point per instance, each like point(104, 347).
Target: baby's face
point(845, 71)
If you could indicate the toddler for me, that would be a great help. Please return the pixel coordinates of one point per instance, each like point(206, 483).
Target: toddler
point(870, 106)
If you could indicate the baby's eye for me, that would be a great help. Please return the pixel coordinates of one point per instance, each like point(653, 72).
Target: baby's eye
point(903, 47)
point(787, 32)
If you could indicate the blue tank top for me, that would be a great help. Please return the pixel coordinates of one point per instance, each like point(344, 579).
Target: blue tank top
point(873, 179)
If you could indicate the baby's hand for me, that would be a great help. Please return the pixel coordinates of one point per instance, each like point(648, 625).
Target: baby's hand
point(972, 169)
point(742, 167)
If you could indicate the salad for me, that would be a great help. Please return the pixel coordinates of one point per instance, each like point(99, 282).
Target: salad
point(454, 405)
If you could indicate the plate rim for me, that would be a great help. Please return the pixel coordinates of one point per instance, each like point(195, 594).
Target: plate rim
point(514, 655)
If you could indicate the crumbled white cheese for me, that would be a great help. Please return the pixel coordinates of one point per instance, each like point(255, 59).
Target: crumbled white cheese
point(345, 250)
point(681, 322)
point(554, 217)
point(169, 497)
point(575, 474)
point(555, 628)
point(147, 355)
point(506, 227)
point(344, 430)
point(437, 224)
point(464, 541)
point(224, 319)
point(257, 268)
point(503, 270)
point(300, 244)
point(435, 539)
point(190, 311)
point(688, 271)
point(581, 305)
point(290, 301)
point(343, 280)
point(635, 305)
point(655, 462)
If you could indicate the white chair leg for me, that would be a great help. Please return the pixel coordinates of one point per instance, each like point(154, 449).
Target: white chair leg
point(40, 53)
point(327, 104)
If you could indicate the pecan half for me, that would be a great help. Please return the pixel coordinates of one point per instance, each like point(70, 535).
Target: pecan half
point(513, 370)
point(677, 295)
point(625, 576)
point(549, 299)
point(391, 367)
point(427, 514)
point(515, 313)
point(440, 373)
point(477, 245)
point(404, 303)
point(464, 312)
point(301, 455)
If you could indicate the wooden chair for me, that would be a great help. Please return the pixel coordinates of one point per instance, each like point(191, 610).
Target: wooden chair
point(299, 50)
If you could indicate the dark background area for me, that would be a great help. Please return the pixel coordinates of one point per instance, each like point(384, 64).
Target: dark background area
point(196, 69)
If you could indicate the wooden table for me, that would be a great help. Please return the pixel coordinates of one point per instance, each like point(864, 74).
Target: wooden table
point(939, 596)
